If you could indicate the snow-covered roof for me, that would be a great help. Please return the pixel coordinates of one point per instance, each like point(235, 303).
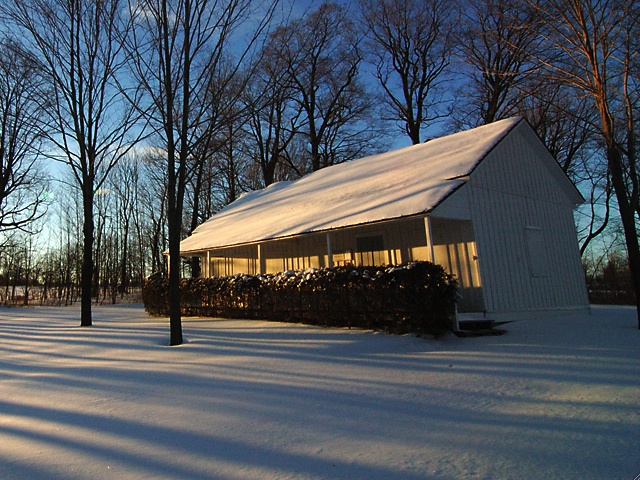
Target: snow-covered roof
point(394, 184)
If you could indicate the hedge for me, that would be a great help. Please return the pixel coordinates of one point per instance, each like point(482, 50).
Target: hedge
point(418, 297)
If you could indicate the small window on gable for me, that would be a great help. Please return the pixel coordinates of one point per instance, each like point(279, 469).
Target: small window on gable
point(370, 244)
point(534, 237)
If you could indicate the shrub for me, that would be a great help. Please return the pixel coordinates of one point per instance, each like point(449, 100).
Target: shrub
point(418, 297)
point(155, 295)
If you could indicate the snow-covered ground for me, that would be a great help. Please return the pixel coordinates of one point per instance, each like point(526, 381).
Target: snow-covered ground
point(552, 399)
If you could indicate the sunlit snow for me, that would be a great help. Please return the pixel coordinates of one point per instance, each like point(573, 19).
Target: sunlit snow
point(553, 398)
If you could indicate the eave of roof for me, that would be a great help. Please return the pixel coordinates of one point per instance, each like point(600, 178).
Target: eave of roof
point(399, 183)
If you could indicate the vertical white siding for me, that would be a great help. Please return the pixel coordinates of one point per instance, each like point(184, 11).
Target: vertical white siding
point(513, 189)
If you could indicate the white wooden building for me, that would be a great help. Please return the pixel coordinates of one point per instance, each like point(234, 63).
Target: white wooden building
point(489, 204)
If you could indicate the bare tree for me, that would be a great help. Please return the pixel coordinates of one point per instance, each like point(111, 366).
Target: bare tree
point(151, 202)
point(175, 47)
point(78, 45)
point(321, 57)
point(498, 44)
point(563, 119)
point(595, 180)
point(274, 114)
point(122, 187)
point(496, 41)
point(590, 45)
point(218, 135)
point(64, 250)
point(410, 45)
point(23, 185)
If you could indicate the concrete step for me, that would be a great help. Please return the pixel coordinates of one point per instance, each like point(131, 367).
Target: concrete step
point(476, 324)
point(478, 327)
point(480, 333)
point(471, 316)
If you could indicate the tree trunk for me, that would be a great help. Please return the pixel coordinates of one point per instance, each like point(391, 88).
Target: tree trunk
point(269, 171)
point(175, 320)
point(627, 215)
point(124, 278)
point(14, 287)
point(315, 153)
point(87, 256)
point(27, 274)
point(413, 129)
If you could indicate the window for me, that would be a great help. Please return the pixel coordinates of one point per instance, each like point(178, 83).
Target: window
point(370, 244)
point(371, 251)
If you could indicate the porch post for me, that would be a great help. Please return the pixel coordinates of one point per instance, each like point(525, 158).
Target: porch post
point(261, 264)
point(207, 267)
point(329, 251)
point(429, 234)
